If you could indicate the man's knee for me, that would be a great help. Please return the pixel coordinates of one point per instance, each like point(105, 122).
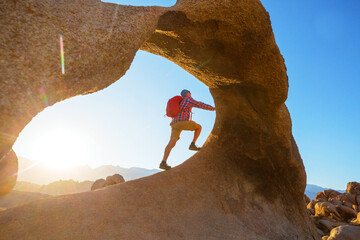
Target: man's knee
point(198, 127)
point(173, 141)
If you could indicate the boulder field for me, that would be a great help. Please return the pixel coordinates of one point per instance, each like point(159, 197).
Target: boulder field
point(248, 180)
point(336, 215)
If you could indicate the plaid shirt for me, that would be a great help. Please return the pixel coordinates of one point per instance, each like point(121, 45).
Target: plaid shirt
point(185, 109)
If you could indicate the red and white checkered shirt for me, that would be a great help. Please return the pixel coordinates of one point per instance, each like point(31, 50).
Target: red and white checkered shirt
point(185, 109)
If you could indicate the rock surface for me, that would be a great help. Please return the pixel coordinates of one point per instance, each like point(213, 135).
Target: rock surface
point(248, 175)
point(114, 179)
point(326, 209)
point(356, 221)
point(100, 183)
point(306, 199)
point(327, 225)
point(8, 171)
point(353, 188)
point(16, 198)
point(344, 233)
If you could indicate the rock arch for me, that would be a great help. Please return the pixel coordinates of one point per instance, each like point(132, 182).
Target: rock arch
point(248, 180)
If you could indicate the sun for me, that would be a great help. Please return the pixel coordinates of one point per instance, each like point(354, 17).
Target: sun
point(60, 148)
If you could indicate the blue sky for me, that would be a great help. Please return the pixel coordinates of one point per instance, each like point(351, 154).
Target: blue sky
point(320, 43)
point(125, 125)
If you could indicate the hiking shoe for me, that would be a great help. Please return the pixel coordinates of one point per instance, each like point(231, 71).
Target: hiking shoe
point(194, 147)
point(163, 165)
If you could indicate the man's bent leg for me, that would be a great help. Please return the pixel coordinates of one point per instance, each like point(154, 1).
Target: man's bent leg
point(196, 136)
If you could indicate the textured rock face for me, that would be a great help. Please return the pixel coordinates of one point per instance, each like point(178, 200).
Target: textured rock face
point(249, 174)
point(357, 220)
point(353, 188)
point(344, 233)
point(8, 171)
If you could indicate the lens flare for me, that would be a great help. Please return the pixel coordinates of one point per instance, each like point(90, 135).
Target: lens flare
point(43, 96)
point(203, 64)
point(62, 54)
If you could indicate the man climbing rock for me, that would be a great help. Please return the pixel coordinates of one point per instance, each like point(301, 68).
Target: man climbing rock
point(182, 121)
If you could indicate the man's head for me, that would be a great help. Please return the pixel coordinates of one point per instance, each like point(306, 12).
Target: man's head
point(185, 93)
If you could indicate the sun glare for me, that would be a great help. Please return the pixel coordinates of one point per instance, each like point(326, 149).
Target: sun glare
point(60, 148)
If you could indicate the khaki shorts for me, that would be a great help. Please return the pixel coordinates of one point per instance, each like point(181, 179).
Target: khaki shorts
point(177, 127)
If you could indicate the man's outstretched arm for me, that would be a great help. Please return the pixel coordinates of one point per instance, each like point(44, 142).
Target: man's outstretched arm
point(197, 104)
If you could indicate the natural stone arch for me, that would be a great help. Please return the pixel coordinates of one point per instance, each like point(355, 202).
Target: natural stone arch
point(248, 180)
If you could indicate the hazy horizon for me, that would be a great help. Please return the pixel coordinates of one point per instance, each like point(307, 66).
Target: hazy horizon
point(157, 170)
point(41, 173)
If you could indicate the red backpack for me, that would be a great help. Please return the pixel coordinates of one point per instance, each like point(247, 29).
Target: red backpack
point(173, 106)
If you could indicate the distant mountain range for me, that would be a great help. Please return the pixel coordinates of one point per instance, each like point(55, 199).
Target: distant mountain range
point(39, 173)
point(311, 190)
